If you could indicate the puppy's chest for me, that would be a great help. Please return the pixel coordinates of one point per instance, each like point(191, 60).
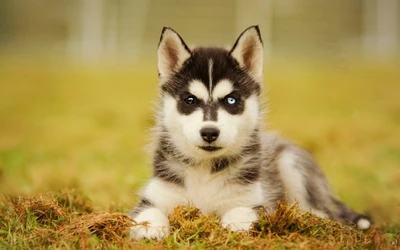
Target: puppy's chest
point(208, 191)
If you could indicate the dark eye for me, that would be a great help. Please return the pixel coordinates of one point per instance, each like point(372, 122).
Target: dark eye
point(190, 100)
point(230, 100)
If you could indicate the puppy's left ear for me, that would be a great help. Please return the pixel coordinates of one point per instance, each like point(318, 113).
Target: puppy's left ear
point(248, 52)
point(172, 52)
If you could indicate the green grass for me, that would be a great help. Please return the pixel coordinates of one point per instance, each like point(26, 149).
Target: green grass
point(85, 128)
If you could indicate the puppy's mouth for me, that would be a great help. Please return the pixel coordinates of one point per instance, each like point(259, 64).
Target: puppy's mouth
point(210, 148)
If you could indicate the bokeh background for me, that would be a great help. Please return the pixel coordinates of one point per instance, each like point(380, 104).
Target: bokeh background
point(78, 82)
point(124, 30)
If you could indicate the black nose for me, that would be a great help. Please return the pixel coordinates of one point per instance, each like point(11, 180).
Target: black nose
point(209, 134)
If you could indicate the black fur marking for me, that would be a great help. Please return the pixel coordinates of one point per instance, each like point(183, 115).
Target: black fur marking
point(143, 204)
point(224, 67)
point(220, 165)
point(346, 215)
point(251, 173)
point(161, 169)
point(233, 109)
point(168, 148)
point(254, 144)
point(314, 199)
point(185, 108)
point(315, 190)
point(270, 172)
point(210, 110)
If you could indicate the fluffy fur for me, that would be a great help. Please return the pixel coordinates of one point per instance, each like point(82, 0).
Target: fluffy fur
point(208, 148)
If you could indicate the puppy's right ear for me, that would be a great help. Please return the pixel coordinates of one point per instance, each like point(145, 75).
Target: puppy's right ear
point(172, 52)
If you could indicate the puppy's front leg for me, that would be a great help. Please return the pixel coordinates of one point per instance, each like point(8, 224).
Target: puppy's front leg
point(157, 226)
point(158, 199)
point(239, 219)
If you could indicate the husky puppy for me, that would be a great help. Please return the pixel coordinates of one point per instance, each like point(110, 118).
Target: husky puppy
point(208, 147)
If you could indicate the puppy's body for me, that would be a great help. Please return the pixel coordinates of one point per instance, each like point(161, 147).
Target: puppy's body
point(209, 150)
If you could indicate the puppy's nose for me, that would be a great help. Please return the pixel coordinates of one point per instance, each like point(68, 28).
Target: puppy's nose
point(209, 134)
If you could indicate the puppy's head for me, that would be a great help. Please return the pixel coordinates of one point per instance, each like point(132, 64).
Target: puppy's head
point(210, 95)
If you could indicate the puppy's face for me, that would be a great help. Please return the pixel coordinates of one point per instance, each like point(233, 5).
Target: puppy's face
point(210, 96)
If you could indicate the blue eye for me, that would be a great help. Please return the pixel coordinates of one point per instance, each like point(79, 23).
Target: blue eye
point(230, 100)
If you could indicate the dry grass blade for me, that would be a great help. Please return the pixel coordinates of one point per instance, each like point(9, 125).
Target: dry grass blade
point(44, 208)
point(107, 227)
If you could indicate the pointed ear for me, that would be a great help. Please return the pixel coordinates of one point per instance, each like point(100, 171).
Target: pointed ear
point(248, 52)
point(172, 52)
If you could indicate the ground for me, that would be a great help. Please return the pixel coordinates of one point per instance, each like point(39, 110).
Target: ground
point(73, 155)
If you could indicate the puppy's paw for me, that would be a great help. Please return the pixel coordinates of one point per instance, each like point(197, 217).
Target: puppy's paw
point(153, 225)
point(239, 219)
point(148, 232)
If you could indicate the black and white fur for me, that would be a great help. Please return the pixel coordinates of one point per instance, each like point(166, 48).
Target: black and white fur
point(208, 147)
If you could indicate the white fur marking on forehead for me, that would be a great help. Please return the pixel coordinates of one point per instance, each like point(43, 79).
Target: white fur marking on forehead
point(210, 71)
point(199, 90)
point(223, 88)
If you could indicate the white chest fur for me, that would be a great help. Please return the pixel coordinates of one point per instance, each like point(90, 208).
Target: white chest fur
point(210, 192)
point(215, 192)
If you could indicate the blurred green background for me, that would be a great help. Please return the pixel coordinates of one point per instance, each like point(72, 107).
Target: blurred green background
point(78, 82)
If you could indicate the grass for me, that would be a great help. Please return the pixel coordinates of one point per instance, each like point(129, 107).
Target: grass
point(82, 130)
point(63, 220)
